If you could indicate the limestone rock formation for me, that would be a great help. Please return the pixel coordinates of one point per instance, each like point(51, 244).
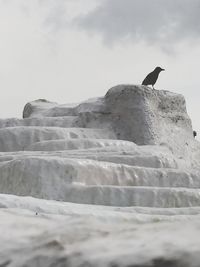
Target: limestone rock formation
point(88, 184)
point(134, 113)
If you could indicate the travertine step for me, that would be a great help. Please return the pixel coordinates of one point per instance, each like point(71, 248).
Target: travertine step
point(120, 196)
point(113, 154)
point(53, 177)
point(65, 122)
point(83, 144)
point(133, 196)
point(132, 158)
point(18, 138)
point(116, 151)
point(117, 213)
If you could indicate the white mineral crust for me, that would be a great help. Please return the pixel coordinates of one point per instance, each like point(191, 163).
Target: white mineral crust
point(113, 181)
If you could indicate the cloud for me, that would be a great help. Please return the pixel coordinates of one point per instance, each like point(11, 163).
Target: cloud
point(62, 12)
point(153, 21)
point(54, 15)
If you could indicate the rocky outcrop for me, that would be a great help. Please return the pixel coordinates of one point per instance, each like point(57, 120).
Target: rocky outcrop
point(134, 113)
point(118, 165)
point(133, 147)
point(147, 116)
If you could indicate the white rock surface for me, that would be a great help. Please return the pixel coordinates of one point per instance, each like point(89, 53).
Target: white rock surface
point(135, 113)
point(18, 138)
point(42, 233)
point(126, 171)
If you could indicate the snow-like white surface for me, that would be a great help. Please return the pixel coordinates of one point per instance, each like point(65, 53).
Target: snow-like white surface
point(119, 203)
point(74, 178)
point(18, 138)
point(41, 233)
point(65, 122)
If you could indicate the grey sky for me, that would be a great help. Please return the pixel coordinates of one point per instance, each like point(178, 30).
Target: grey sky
point(154, 21)
point(71, 50)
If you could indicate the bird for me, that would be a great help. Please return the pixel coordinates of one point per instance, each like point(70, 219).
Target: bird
point(194, 134)
point(152, 77)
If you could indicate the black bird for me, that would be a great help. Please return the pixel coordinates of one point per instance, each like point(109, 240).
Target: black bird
point(152, 77)
point(194, 134)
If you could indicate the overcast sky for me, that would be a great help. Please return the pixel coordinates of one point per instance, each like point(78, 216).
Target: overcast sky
point(70, 50)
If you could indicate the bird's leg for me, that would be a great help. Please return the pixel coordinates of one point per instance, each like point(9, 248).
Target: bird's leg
point(153, 86)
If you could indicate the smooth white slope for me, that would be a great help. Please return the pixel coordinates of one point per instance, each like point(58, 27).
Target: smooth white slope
point(42, 233)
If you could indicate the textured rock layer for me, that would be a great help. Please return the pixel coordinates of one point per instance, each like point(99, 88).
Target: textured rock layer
point(131, 154)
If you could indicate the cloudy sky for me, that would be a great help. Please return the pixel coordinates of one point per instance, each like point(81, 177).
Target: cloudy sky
point(70, 50)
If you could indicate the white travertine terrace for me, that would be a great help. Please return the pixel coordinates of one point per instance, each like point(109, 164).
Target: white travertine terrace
point(112, 181)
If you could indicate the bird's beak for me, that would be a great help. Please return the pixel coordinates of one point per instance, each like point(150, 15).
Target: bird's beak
point(162, 69)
